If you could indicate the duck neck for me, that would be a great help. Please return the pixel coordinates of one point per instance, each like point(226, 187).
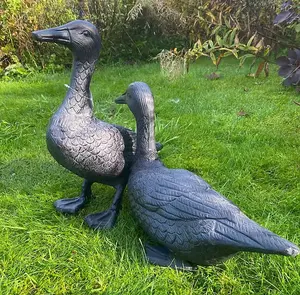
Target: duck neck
point(146, 147)
point(78, 98)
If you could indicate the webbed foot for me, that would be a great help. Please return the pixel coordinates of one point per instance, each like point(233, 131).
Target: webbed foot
point(73, 205)
point(162, 256)
point(107, 219)
point(103, 220)
point(70, 206)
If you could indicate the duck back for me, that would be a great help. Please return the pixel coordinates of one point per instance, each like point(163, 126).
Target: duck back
point(179, 210)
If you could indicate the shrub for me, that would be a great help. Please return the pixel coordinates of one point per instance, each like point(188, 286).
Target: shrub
point(18, 19)
point(131, 30)
point(290, 68)
point(173, 63)
point(287, 22)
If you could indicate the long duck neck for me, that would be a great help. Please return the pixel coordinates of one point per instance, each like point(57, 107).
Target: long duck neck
point(146, 147)
point(78, 98)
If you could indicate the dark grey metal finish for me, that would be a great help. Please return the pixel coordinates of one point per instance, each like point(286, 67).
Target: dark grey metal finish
point(92, 149)
point(179, 210)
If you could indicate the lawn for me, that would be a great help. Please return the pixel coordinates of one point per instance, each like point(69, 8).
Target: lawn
point(240, 134)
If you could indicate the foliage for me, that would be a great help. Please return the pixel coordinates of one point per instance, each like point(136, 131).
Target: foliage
point(216, 49)
point(226, 31)
point(290, 68)
point(10, 67)
point(173, 63)
point(287, 14)
point(201, 19)
point(17, 20)
point(18, 52)
point(132, 30)
point(287, 22)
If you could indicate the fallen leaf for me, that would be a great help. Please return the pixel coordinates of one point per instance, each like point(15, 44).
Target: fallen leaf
point(213, 76)
point(259, 69)
point(242, 113)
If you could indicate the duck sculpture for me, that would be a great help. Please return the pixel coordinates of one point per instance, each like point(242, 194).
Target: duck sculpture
point(92, 149)
point(194, 224)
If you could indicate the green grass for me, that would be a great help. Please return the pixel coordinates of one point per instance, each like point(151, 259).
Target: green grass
point(253, 160)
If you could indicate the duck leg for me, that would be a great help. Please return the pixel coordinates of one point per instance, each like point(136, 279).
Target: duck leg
point(108, 218)
point(73, 205)
point(162, 256)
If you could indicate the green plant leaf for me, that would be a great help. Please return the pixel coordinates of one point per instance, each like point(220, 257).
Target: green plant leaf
point(267, 51)
point(213, 58)
point(297, 28)
point(205, 45)
point(225, 41)
point(227, 53)
point(232, 35)
point(244, 57)
point(235, 53)
point(250, 40)
point(216, 30)
point(219, 40)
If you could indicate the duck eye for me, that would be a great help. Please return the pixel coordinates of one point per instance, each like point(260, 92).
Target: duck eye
point(86, 33)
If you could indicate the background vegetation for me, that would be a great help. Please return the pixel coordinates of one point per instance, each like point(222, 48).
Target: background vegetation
point(132, 30)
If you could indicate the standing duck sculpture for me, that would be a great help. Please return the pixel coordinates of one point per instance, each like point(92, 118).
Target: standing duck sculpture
point(194, 224)
point(92, 149)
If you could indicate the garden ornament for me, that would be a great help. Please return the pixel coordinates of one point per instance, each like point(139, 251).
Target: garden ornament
point(194, 224)
point(92, 149)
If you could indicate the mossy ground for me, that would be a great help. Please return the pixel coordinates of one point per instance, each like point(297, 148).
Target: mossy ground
point(240, 134)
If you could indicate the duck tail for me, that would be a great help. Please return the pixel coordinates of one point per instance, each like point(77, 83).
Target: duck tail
point(252, 237)
point(274, 244)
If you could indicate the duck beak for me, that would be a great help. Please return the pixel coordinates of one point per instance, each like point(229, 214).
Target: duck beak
point(121, 99)
point(56, 35)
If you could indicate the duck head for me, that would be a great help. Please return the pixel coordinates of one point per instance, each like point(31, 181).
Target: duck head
point(80, 36)
point(139, 99)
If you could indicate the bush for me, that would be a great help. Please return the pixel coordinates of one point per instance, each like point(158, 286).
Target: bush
point(18, 19)
point(132, 30)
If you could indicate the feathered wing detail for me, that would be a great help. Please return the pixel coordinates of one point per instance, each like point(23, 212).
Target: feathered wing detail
point(91, 150)
point(181, 211)
point(247, 235)
point(129, 138)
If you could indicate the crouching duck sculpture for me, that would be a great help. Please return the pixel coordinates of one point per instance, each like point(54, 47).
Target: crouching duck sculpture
point(194, 224)
point(92, 149)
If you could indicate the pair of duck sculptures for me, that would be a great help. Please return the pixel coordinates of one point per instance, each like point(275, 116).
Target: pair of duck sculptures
point(192, 223)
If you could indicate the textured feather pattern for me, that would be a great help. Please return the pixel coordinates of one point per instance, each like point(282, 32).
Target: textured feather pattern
point(180, 210)
point(78, 141)
point(91, 150)
point(129, 138)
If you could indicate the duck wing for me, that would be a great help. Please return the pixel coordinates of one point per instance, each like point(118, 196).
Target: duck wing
point(180, 210)
point(129, 138)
